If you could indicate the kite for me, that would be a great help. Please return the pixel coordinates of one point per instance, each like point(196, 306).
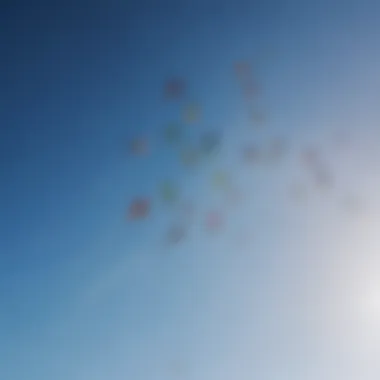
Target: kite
point(139, 209)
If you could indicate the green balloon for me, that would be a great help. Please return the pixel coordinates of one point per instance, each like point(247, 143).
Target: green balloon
point(169, 192)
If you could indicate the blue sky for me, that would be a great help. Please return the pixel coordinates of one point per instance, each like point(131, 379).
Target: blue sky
point(86, 294)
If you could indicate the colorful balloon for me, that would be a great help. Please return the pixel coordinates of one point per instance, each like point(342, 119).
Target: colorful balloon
point(251, 154)
point(186, 211)
point(310, 157)
point(250, 89)
point(139, 146)
point(139, 208)
point(234, 196)
point(175, 88)
point(210, 142)
point(242, 70)
point(275, 150)
point(214, 221)
point(176, 234)
point(221, 180)
point(173, 133)
point(191, 113)
point(257, 118)
point(169, 192)
point(190, 157)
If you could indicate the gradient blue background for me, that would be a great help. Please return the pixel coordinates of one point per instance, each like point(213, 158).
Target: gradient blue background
point(86, 295)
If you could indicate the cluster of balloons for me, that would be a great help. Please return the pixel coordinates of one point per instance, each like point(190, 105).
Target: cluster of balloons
point(190, 155)
point(209, 145)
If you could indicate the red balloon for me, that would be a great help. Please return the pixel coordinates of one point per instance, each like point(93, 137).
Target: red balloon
point(139, 209)
point(175, 88)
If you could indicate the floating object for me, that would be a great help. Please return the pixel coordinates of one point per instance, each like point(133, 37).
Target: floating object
point(233, 196)
point(250, 89)
point(310, 157)
point(221, 180)
point(173, 133)
point(210, 142)
point(251, 154)
point(139, 147)
point(169, 192)
point(175, 88)
point(176, 234)
point(214, 221)
point(190, 157)
point(139, 208)
point(242, 69)
point(276, 150)
point(186, 211)
point(257, 118)
point(191, 113)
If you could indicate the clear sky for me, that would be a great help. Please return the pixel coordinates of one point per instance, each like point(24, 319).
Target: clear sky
point(286, 289)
